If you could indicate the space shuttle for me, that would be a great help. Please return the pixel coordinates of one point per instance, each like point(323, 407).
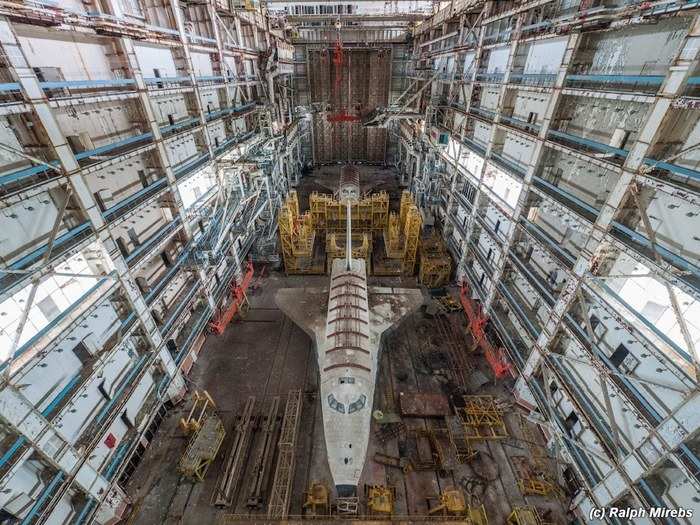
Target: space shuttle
point(346, 320)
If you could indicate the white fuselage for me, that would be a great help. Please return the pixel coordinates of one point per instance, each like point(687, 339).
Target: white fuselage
point(347, 360)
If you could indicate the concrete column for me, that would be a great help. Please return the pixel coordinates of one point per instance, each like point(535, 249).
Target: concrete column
point(177, 13)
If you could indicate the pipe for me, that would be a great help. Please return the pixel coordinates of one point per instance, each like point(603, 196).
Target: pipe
point(348, 236)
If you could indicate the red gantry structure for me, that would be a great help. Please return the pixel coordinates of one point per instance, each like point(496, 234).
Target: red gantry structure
point(238, 298)
point(476, 322)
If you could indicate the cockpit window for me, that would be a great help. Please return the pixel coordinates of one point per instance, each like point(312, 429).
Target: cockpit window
point(335, 404)
point(357, 405)
point(346, 380)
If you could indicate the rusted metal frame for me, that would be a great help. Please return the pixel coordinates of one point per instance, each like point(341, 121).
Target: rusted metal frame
point(230, 478)
point(263, 461)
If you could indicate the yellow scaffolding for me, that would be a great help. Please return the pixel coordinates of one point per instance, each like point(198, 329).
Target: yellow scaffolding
point(369, 214)
point(462, 446)
point(202, 448)
point(316, 499)
point(525, 516)
point(534, 478)
point(370, 220)
point(401, 238)
point(482, 418)
point(380, 499)
point(336, 250)
point(477, 516)
point(412, 230)
point(435, 263)
point(201, 401)
point(297, 236)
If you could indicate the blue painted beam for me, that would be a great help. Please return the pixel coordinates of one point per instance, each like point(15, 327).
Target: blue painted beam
point(115, 145)
point(60, 241)
point(123, 205)
point(592, 144)
point(534, 332)
point(648, 80)
point(153, 240)
point(39, 503)
point(168, 324)
point(166, 80)
point(85, 84)
point(533, 79)
point(70, 386)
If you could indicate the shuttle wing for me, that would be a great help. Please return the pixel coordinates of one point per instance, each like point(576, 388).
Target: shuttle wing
point(307, 307)
point(389, 305)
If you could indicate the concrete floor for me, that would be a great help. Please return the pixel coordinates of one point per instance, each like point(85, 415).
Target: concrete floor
point(266, 355)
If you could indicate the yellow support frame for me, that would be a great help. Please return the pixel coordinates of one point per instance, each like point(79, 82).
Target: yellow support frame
point(202, 448)
point(482, 418)
point(297, 237)
point(435, 263)
point(524, 516)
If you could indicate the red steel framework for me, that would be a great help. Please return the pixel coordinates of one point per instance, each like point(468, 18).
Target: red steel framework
point(476, 322)
point(238, 297)
point(338, 61)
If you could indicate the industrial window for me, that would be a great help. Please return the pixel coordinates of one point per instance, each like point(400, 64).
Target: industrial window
point(618, 356)
point(133, 237)
point(532, 117)
point(156, 73)
point(48, 308)
point(481, 280)
point(82, 353)
point(122, 246)
point(489, 254)
point(498, 225)
point(99, 201)
point(143, 178)
point(335, 404)
point(570, 422)
point(142, 284)
point(171, 119)
point(103, 391)
point(598, 328)
point(125, 419)
point(166, 259)
point(357, 405)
